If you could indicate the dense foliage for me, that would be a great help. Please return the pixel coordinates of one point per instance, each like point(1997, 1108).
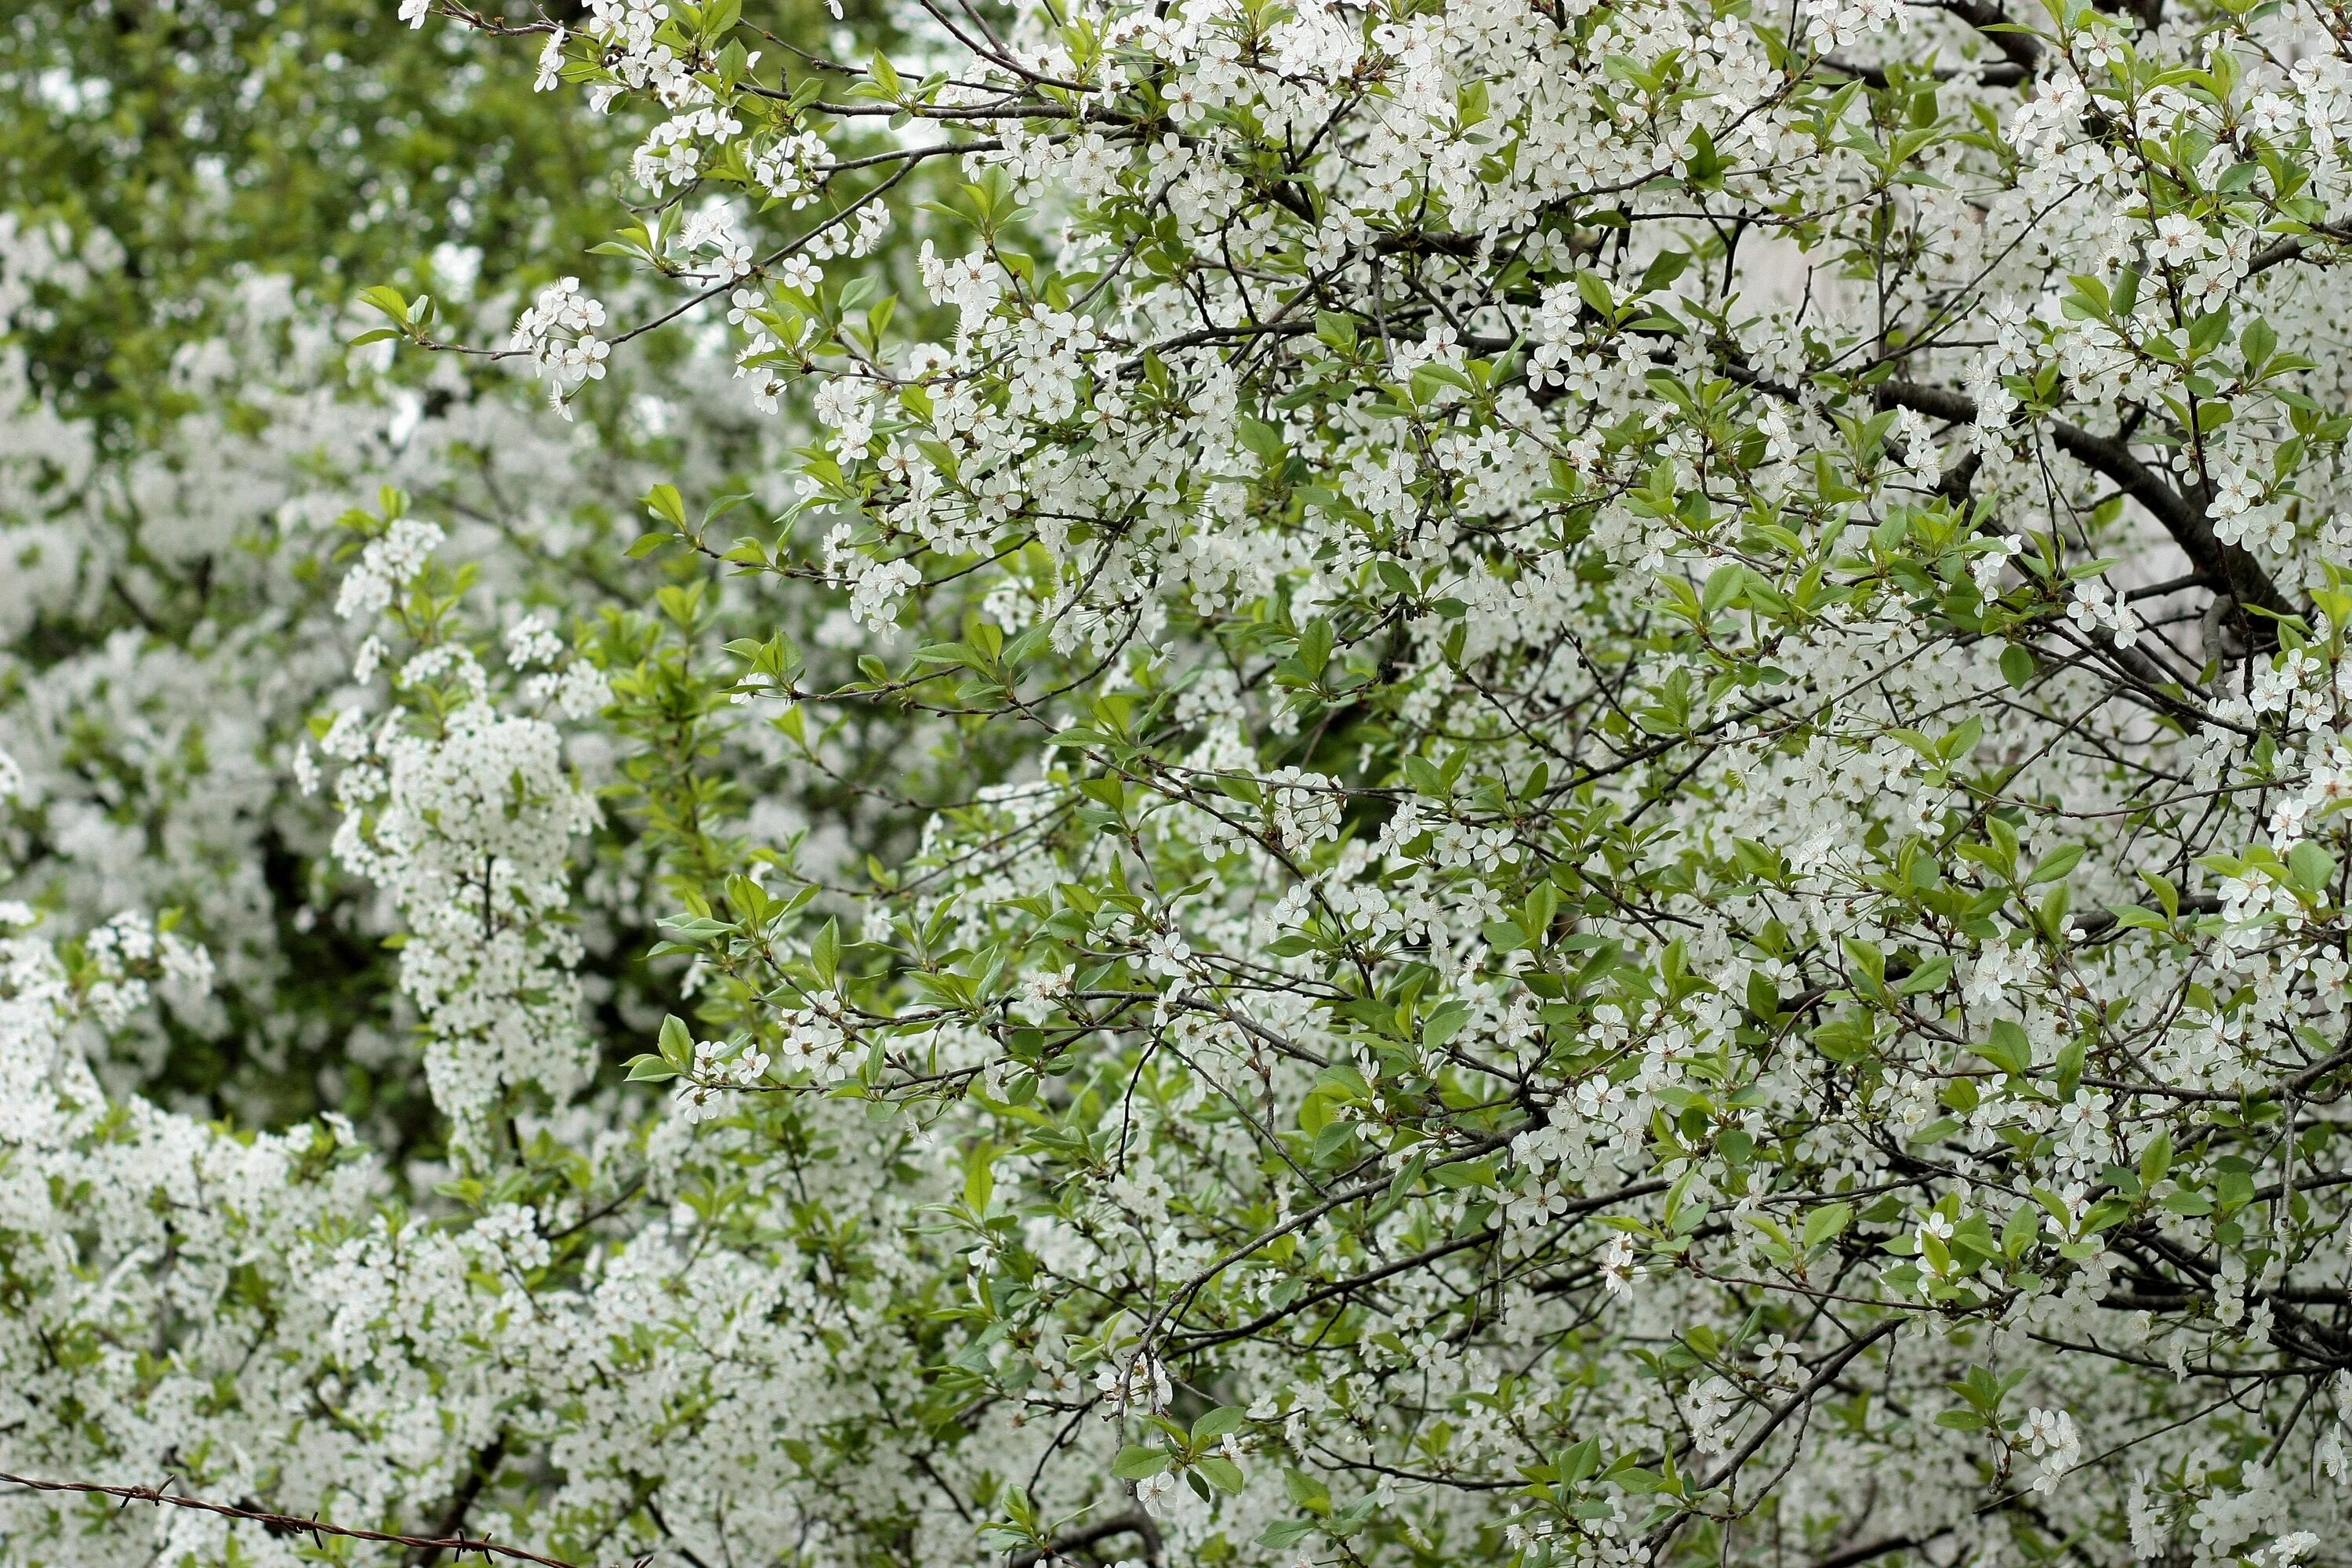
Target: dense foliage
point(1438, 781)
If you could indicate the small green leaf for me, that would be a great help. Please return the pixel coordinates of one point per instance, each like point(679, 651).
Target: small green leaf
point(2055, 865)
point(2070, 1067)
point(1284, 1533)
point(1264, 440)
point(1222, 1473)
point(1218, 1422)
point(1335, 330)
point(2025, 1227)
point(2008, 1048)
point(665, 503)
point(1135, 1462)
point(676, 1042)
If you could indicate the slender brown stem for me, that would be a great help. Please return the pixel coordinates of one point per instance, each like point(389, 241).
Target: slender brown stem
point(295, 1524)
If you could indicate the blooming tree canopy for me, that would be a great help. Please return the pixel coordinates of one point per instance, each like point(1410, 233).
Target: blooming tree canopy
point(1425, 783)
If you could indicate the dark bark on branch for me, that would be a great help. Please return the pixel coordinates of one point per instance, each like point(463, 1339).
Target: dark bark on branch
point(2016, 47)
point(1854, 1556)
point(1133, 1520)
point(1803, 1399)
point(2226, 568)
point(452, 1519)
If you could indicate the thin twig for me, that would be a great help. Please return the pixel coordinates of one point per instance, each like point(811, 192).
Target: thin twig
point(294, 1524)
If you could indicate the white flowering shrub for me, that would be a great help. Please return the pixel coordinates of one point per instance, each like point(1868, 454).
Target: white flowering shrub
point(1473, 782)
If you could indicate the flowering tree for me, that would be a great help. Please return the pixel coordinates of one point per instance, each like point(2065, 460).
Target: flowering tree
point(1625, 721)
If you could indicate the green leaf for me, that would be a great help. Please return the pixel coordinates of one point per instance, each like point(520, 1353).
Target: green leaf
point(2017, 666)
point(1847, 1039)
point(1663, 269)
point(2070, 1067)
point(1136, 1462)
point(2025, 1227)
point(1222, 1472)
point(2056, 863)
point(1930, 975)
point(1442, 1024)
point(1264, 440)
point(1335, 330)
point(388, 300)
point(2311, 868)
point(2008, 1048)
point(2257, 341)
point(1218, 1422)
point(1284, 1533)
point(676, 1042)
point(1428, 379)
point(1595, 293)
point(1723, 585)
point(665, 503)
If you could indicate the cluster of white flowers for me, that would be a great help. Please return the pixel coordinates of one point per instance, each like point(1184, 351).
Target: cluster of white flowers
point(786, 169)
point(464, 817)
point(558, 336)
point(672, 153)
point(641, 59)
point(200, 1264)
point(1305, 807)
point(386, 565)
point(123, 953)
point(2094, 607)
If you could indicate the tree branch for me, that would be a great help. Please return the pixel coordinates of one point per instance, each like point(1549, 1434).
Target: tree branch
point(293, 1524)
point(1823, 1375)
point(452, 1519)
point(2018, 48)
point(1854, 1556)
point(2226, 568)
point(1134, 1519)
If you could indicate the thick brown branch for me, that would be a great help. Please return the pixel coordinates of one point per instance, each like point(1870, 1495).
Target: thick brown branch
point(1134, 1519)
point(2004, 73)
point(2227, 568)
point(1854, 1556)
point(1993, 22)
point(2296, 248)
point(452, 1519)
